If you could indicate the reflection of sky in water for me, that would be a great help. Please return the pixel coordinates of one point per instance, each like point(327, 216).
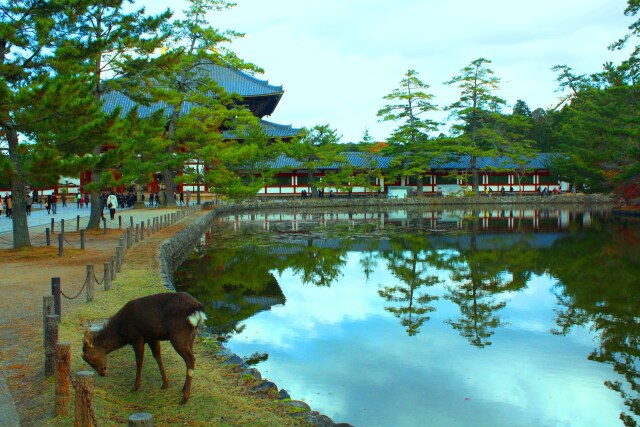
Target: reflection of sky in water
point(337, 349)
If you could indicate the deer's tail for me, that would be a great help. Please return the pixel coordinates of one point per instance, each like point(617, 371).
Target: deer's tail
point(197, 318)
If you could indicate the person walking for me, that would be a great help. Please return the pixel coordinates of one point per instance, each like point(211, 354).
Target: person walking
point(47, 204)
point(112, 203)
point(28, 203)
point(54, 204)
point(9, 202)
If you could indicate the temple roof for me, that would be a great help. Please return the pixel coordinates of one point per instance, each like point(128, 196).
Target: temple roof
point(257, 95)
point(541, 161)
point(236, 81)
point(274, 130)
point(361, 160)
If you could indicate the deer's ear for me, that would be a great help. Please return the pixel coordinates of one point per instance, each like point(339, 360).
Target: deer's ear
point(88, 339)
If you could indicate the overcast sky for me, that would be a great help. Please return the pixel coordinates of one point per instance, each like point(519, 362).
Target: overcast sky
point(337, 58)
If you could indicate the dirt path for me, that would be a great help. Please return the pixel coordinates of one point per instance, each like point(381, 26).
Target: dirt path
point(25, 277)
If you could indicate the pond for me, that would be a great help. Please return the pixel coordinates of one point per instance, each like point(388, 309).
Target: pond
point(524, 317)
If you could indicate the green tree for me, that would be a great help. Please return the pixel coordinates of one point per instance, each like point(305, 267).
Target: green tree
point(107, 42)
point(475, 113)
point(410, 143)
point(598, 134)
point(39, 104)
point(316, 148)
point(195, 43)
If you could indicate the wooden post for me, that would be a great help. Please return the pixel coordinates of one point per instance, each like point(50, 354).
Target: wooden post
point(118, 258)
point(63, 385)
point(113, 267)
point(82, 239)
point(137, 232)
point(107, 276)
point(84, 399)
point(48, 309)
point(50, 341)
point(60, 244)
point(57, 300)
point(53, 223)
point(77, 222)
point(62, 226)
point(89, 282)
point(119, 222)
point(148, 223)
point(104, 225)
point(47, 236)
point(142, 419)
point(142, 230)
point(131, 221)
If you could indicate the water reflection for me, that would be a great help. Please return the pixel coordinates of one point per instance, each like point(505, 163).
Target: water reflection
point(477, 273)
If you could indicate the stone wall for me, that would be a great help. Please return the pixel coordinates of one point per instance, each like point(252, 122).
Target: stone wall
point(175, 249)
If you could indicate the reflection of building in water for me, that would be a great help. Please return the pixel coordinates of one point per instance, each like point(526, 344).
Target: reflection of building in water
point(494, 220)
point(262, 303)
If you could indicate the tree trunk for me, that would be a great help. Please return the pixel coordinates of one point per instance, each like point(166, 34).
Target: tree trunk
point(95, 218)
point(474, 173)
point(420, 186)
point(312, 184)
point(18, 186)
point(170, 188)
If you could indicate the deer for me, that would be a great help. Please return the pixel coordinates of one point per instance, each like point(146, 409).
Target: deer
point(168, 316)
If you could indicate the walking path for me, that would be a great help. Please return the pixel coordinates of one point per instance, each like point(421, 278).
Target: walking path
point(39, 220)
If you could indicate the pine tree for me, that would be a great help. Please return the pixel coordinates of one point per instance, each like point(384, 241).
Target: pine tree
point(105, 42)
point(410, 144)
point(194, 44)
point(38, 103)
point(317, 147)
point(476, 112)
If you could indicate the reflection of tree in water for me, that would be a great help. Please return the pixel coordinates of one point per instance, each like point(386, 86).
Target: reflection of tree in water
point(319, 266)
point(479, 277)
point(233, 284)
point(599, 287)
point(410, 261)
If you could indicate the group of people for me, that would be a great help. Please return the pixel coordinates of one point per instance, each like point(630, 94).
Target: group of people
point(7, 205)
point(111, 201)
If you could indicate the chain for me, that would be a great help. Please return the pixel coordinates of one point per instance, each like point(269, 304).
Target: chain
point(99, 282)
point(68, 242)
point(79, 293)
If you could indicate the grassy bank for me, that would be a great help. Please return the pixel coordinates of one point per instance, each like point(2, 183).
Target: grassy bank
point(220, 396)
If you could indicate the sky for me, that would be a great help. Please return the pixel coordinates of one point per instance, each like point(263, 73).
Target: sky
point(337, 59)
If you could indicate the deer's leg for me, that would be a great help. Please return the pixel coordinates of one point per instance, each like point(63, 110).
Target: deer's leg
point(155, 349)
point(184, 347)
point(138, 349)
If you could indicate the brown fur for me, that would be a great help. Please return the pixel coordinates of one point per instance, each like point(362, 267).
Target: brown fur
point(150, 319)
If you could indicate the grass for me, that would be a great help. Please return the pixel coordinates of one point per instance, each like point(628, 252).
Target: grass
point(219, 397)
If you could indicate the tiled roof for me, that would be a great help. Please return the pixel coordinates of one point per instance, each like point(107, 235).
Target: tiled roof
point(361, 160)
point(274, 130)
point(355, 159)
point(236, 81)
point(464, 162)
point(231, 80)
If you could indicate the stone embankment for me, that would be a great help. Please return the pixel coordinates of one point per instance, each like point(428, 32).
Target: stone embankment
point(175, 249)
point(564, 200)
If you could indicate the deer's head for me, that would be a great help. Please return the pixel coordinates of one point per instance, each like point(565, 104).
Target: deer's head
point(95, 356)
